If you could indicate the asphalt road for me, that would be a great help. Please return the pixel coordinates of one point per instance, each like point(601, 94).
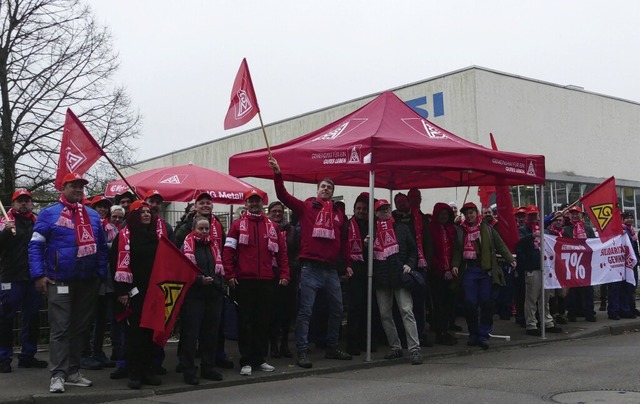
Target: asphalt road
point(602, 370)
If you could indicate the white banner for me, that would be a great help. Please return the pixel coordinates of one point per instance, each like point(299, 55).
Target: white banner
point(572, 263)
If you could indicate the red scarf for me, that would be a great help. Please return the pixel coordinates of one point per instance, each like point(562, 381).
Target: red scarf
point(355, 241)
point(123, 265)
point(272, 234)
point(632, 231)
point(12, 213)
point(534, 228)
point(215, 231)
point(471, 234)
point(578, 230)
point(109, 230)
point(189, 249)
point(161, 228)
point(386, 243)
point(443, 238)
point(418, 218)
point(558, 231)
point(75, 216)
point(323, 227)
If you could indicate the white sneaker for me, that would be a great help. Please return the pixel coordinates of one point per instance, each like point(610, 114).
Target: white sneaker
point(57, 385)
point(245, 371)
point(265, 367)
point(77, 379)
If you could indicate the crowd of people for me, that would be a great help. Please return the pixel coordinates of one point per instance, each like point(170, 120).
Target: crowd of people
point(93, 260)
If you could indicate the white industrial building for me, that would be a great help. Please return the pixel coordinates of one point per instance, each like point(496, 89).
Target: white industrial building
point(585, 137)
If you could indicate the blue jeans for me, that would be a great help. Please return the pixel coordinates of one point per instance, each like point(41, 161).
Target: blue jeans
point(477, 295)
point(22, 296)
point(316, 276)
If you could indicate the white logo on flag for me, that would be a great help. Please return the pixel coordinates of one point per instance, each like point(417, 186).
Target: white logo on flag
point(244, 106)
point(74, 157)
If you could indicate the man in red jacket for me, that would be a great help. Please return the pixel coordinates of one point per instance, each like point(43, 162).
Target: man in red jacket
point(254, 246)
point(324, 240)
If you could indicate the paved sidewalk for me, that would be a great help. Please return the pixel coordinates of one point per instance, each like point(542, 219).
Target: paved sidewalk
point(32, 385)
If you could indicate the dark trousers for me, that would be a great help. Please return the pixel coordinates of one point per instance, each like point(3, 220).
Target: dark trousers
point(357, 311)
point(199, 321)
point(139, 347)
point(504, 298)
point(254, 299)
point(419, 296)
point(519, 294)
point(20, 296)
point(443, 294)
point(477, 286)
point(283, 312)
point(574, 299)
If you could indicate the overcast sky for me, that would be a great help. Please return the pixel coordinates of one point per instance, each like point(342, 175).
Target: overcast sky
point(179, 58)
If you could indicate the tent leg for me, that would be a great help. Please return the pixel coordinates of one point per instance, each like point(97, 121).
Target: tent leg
point(370, 267)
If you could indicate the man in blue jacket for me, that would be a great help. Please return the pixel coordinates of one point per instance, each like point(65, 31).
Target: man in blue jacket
point(67, 257)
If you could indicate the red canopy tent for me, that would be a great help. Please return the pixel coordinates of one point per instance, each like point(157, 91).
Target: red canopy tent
point(387, 145)
point(401, 149)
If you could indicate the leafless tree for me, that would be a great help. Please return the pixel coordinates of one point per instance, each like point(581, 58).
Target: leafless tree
point(54, 56)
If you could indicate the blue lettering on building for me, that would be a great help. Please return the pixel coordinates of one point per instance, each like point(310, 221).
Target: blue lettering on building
point(419, 105)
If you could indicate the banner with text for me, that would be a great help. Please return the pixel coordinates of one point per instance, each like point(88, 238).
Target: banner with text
point(572, 263)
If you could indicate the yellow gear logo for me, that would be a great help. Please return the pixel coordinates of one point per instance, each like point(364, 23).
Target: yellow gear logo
point(603, 214)
point(172, 292)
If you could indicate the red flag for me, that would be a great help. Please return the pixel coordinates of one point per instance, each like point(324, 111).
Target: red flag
point(78, 149)
point(171, 277)
point(601, 204)
point(506, 221)
point(244, 104)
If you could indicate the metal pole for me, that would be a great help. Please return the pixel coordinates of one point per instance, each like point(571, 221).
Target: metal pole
point(543, 304)
point(370, 266)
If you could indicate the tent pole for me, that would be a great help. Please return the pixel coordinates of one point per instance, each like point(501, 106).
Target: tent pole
point(543, 306)
point(370, 265)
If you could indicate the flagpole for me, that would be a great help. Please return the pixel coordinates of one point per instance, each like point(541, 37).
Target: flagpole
point(264, 133)
point(4, 213)
point(131, 187)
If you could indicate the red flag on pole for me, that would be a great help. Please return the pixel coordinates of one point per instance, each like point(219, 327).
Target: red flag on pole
point(171, 277)
point(78, 149)
point(244, 104)
point(601, 204)
point(506, 221)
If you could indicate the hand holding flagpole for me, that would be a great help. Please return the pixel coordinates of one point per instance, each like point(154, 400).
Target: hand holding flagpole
point(4, 213)
point(244, 103)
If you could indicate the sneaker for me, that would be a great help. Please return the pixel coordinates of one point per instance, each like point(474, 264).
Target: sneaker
point(394, 354)
point(265, 367)
point(303, 360)
point(560, 319)
point(245, 371)
point(31, 363)
point(77, 379)
point(416, 358)
point(57, 385)
point(211, 375)
point(90, 363)
point(119, 373)
point(5, 366)
point(336, 353)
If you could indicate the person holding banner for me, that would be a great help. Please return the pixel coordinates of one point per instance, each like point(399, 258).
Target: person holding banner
point(477, 264)
point(18, 293)
point(132, 256)
point(67, 257)
point(528, 253)
point(622, 301)
point(558, 296)
point(578, 230)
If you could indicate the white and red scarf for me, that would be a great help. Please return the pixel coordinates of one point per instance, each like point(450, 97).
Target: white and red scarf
point(355, 241)
point(471, 234)
point(386, 243)
point(272, 234)
point(110, 230)
point(215, 231)
point(534, 228)
point(323, 226)
point(632, 232)
point(578, 230)
point(75, 216)
point(123, 265)
point(418, 218)
point(161, 227)
point(12, 213)
point(558, 231)
point(189, 249)
point(443, 239)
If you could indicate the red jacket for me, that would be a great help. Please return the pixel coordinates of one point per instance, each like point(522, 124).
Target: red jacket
point(314, 248)
point(254, 260)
